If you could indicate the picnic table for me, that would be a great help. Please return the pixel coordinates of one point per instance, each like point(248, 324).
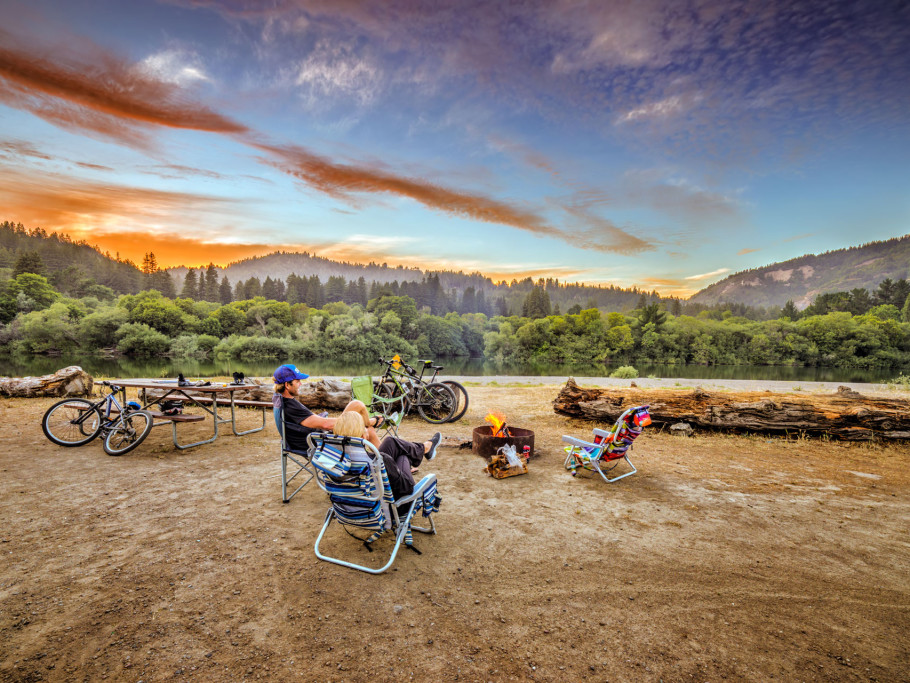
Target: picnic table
point(208, 396)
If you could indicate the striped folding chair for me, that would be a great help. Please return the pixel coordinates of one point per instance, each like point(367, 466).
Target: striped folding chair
point(351, 471)
point(300, 460)
point(609, 448)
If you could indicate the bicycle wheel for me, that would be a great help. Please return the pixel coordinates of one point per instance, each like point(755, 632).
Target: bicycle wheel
point(436, 403)
point(72, 422)
point(128, 432)
point(387, 406)
point(461, 394)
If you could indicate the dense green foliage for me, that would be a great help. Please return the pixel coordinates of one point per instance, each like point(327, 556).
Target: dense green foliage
point(48, 305)
point(148, 324)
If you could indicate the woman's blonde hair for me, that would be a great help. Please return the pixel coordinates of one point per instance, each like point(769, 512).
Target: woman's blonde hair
point(350, 424)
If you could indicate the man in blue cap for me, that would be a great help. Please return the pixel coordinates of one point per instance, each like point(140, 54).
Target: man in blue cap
point(300, 421)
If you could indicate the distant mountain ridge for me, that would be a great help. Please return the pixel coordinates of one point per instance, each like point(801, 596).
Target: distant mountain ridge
point(280, 264)
point(803, 278)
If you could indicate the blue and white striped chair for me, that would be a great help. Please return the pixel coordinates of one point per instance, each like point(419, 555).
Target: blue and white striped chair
point(351, 471)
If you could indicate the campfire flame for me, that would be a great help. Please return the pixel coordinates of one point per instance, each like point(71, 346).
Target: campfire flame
point(498, 424)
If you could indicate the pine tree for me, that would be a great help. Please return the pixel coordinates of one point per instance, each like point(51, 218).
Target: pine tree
point(315, 296)
point(149, 264)
point(163, 282)
point(210, 287)
point(269, 291)
point(789, 311)
point(224, 291)
point(190, 286)
point(29, 262)
point(469, 301)
point(252, 288)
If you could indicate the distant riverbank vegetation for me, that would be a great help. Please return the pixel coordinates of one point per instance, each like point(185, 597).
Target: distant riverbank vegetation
point(51, 303)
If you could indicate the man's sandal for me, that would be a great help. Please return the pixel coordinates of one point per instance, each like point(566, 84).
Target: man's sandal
point(380, 421)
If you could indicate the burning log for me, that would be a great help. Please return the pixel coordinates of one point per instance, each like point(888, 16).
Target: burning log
point(845, 414)
point(498, 424)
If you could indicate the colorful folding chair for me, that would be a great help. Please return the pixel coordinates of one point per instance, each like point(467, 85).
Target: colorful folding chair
point(609, 448)
point(300, 459)
point(377, 406)
point(352, 472)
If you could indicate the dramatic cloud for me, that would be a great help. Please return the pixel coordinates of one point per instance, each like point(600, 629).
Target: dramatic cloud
point(342, 181)
point(19, 148)
point(178, 250)
point(103, 94)
point(598, 232)
point(676, 197)
point(706, 276)
point(178, 66)
point(331, 71)
point(82, 208)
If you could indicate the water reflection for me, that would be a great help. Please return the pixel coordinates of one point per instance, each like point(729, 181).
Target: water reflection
point(20, 366)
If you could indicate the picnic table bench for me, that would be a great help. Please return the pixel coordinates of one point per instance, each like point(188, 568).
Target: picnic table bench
point(175, 392)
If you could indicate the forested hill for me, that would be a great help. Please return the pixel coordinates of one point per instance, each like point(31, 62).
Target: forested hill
point(73, 267)
point(802, 279)
point(280, 264)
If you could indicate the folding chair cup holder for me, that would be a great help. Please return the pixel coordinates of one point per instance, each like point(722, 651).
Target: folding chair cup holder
point(608, 448)
point(352, 472)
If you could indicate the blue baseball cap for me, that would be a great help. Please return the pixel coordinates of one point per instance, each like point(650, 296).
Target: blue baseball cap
point(287, 373)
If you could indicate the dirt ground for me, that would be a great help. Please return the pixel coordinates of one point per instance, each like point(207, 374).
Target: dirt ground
point(725, 557)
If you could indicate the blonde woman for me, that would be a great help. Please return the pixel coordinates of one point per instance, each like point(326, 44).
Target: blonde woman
point(402, 458)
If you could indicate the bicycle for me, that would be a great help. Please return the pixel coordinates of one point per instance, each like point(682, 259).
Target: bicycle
point(403, 390)
point(456, 387)
point(461, 394)
point(77, 421)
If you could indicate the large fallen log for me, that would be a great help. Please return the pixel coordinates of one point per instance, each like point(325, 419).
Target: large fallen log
point(844, 414)
point(71, 381)
point(324, 393)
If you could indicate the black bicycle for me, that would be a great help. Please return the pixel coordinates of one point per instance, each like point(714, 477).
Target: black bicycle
point(76, 421)
point(461, 394)
point(401, 389)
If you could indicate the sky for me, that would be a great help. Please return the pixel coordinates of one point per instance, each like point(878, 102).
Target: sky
point(658, 143)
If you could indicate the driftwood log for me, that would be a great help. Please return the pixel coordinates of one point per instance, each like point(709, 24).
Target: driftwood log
point(330, 394)
point(844, 414)
point(71, 381)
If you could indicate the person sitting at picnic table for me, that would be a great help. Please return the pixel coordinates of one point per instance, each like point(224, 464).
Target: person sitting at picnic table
point(401, 457)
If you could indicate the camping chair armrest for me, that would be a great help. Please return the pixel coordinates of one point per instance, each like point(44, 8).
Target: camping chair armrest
point(604, 433)
point(580, 443)
point(419, 488)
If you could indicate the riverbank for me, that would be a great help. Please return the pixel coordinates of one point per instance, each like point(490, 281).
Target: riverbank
point(740, 558)
point(677, 383)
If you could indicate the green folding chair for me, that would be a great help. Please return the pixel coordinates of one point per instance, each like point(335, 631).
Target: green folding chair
point(362, 390)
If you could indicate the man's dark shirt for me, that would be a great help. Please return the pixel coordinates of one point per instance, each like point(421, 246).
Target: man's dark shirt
point(295, 413)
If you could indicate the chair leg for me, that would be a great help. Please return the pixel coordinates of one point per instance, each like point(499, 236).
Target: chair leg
point(369, 570)
point(614, 479)
point(285, 480)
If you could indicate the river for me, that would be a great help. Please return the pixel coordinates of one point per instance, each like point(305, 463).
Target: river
point(20, 366)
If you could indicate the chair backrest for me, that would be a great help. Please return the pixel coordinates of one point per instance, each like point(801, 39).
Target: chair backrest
point(362, 389)
point(278, 411)
point(628, 427)
point(351, 471)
